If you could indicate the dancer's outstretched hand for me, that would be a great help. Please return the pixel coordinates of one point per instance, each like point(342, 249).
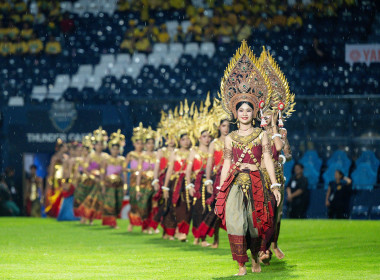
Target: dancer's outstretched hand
point(277, 196)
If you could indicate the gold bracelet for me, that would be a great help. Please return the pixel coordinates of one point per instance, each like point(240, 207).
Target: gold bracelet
point(125, 187)
point(137, 188)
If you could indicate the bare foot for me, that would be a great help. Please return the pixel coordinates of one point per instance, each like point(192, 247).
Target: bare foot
point(165, 236)
point(264, 257)
point(82, 221)
point(279, 254)
point(157, 231)
point(171, 238)
point(215, 245)
point(256, 267)
point(116, 227)
point(196, 241)
point(150, 231)
point(91, 223)
point(145, 231)
point(205, 244)
point(130, 228)
point(242, 271)
point(182, 237)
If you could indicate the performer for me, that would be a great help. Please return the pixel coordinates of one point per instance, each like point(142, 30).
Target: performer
point(160, 204)
point(132, 163)
point(70, 169)
point(196, 168)
point(92, 206)
point(144, 188)
point(241, 203)
point(34, 193)
point(178, 215)
point(283, 104)
point(84, 186)
point(53, 194)
point(111, 180)
point(220, 125)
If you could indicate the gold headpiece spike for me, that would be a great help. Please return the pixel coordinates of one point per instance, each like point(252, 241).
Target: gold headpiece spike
point(186, 107)
point(195, 112)
point(207, 102)
point(176, 112)
point(192, 109)
point(201, 107)
point(181, 109)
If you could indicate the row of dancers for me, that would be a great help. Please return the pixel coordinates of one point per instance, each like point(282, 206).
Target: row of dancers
point(201, 174)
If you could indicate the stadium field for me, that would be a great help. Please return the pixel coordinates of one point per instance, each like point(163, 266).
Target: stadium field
point(32, 248)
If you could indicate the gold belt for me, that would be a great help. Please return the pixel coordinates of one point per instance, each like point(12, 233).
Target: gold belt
point(113, 178)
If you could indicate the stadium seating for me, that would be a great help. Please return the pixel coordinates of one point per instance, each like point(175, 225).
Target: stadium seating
point(363, 176)
point(375, 212)
point(360, 212)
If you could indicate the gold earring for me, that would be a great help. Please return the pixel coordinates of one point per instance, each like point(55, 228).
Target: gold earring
point(238, 125)
point(253, 122)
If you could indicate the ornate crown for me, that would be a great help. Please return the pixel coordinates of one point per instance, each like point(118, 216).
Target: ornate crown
point(282, 99)
point(182, 120)
point(100, 136)
point(138, 133)
point(86, 141)
point(245, 80)
point(117, 138)
point(217, 114)
point(200, 120)
point(149, 133)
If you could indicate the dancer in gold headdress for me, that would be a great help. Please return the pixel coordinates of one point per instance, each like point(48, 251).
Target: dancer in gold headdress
point(241, 202)
point(83, 189)
point(69, 182)
point(196, 169)
point(54, 183)
point(159, 203)
point(113, 180)
point(220, 127)
point(132, 164)
point(282, 107)
point(92, 206)
point(178, 214)
point(144, 188)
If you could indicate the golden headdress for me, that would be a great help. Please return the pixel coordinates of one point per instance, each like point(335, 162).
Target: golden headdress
point(86, 141)
point(245, 80)
point(282, 99)
point(149, 133)
point(182, 121)
point(138, 133)
point(217, 114)
point(166, 127)
point(100, 136)
point(117, 138)
point(200, 121)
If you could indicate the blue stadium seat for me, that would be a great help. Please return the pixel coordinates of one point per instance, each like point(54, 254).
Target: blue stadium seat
point(369, 157)
point(340, 158)
point(364, 177)
point(375, 212)
point(312, 175)
point(311, 158)
point(360, 212)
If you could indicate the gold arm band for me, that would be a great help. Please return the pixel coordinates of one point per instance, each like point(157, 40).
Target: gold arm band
point(137, 188)
point(267, 148)
point(227, 153)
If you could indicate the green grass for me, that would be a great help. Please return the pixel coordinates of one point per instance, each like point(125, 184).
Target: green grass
point(315, 249)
